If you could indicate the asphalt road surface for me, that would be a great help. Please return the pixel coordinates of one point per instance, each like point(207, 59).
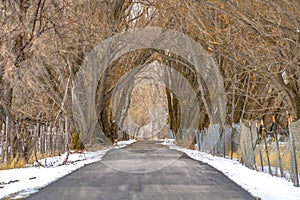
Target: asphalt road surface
point(144, 170)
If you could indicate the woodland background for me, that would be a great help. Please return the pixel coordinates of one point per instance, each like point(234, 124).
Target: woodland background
point(44, 42)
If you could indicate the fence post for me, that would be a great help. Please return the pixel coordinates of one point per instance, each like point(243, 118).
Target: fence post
point(12, 142)
point(224, 140)
point(61, 146)
point(42, 136)
point(51, 139)
point(197, 140)
point(34, 140)
point(6, 142)
point(278, 154)
point(47, 140)
point(231, 140)
point(253, 137)
point(261, 160)
point(267, 154)
point(2, 142)
point(264, 135)
point(294, 169)
point(54, 139)
point(260, 153)
point(66, 135)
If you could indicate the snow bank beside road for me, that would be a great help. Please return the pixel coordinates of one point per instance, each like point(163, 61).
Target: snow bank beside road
point(259, 184)
point(20, 183)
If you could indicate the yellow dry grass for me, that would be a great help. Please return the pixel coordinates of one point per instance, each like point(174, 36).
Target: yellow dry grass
point(284, 155)
point(19, 162)
point(16, 162)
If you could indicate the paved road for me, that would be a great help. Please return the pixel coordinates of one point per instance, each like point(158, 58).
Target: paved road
point(144, 170)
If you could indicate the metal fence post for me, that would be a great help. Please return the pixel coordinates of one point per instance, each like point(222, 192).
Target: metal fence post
point(294, 169)
point(278, 155)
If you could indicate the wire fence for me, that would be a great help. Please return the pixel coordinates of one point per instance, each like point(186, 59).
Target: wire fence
point(19, 144)
point(275, 151)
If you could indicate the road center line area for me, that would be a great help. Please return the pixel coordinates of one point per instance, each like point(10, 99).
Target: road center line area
point(144, 170)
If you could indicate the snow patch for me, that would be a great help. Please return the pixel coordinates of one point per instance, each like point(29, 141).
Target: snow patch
point(124, 143)
point(259, 184)
point(22, 182)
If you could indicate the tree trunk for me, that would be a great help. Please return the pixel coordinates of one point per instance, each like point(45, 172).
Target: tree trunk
point(105, 125)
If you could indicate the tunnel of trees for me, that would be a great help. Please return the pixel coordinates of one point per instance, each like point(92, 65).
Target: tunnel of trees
point(44, 44)
point(203, 83)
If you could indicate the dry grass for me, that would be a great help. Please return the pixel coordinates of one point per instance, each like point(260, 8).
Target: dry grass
point(235, 155)
point(284, 155)
point(19, 161)
point(16, 162)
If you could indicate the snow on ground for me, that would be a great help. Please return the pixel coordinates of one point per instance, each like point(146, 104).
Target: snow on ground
point(20, 183)
point(124, 143)
point(259, 184)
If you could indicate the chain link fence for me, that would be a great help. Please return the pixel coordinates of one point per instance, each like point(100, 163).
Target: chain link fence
point(275, 151)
